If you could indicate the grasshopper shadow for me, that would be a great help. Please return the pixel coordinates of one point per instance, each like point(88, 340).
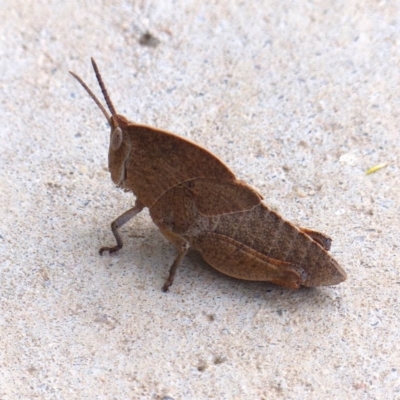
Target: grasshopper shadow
point(150, 255)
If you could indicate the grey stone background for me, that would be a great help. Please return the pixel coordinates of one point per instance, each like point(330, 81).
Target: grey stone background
point(299, 98)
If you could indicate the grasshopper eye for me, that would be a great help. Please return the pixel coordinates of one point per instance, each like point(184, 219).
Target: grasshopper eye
point(116, 138)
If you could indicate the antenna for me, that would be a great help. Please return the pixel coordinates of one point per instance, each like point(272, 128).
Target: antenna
point(104, 111)
point(103, 89)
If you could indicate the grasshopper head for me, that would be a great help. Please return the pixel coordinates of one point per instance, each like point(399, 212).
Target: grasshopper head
point(120, 143)
point(120, 149)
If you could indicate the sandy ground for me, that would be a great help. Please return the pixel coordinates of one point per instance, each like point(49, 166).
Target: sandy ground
point(299, 98)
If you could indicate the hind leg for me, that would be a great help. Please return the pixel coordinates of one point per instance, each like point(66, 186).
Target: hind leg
point(320, 238)
point(240, 261)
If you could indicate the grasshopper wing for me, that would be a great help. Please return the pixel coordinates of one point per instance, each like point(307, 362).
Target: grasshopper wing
point(160, 160)
point(215, 197)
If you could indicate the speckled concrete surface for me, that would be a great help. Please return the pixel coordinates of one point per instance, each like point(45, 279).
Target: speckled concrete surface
point(299, 98)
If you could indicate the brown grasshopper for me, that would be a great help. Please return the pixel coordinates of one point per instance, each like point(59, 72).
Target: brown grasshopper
point(197, 202)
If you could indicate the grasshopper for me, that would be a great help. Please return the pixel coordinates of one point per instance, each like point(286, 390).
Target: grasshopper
point(197, 202)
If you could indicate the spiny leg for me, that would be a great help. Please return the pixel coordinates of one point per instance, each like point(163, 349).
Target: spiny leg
point(120, 221)
point(177, 262)
point(183, 246)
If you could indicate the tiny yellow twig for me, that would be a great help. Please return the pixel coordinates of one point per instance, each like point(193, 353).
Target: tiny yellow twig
point(376, 168)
